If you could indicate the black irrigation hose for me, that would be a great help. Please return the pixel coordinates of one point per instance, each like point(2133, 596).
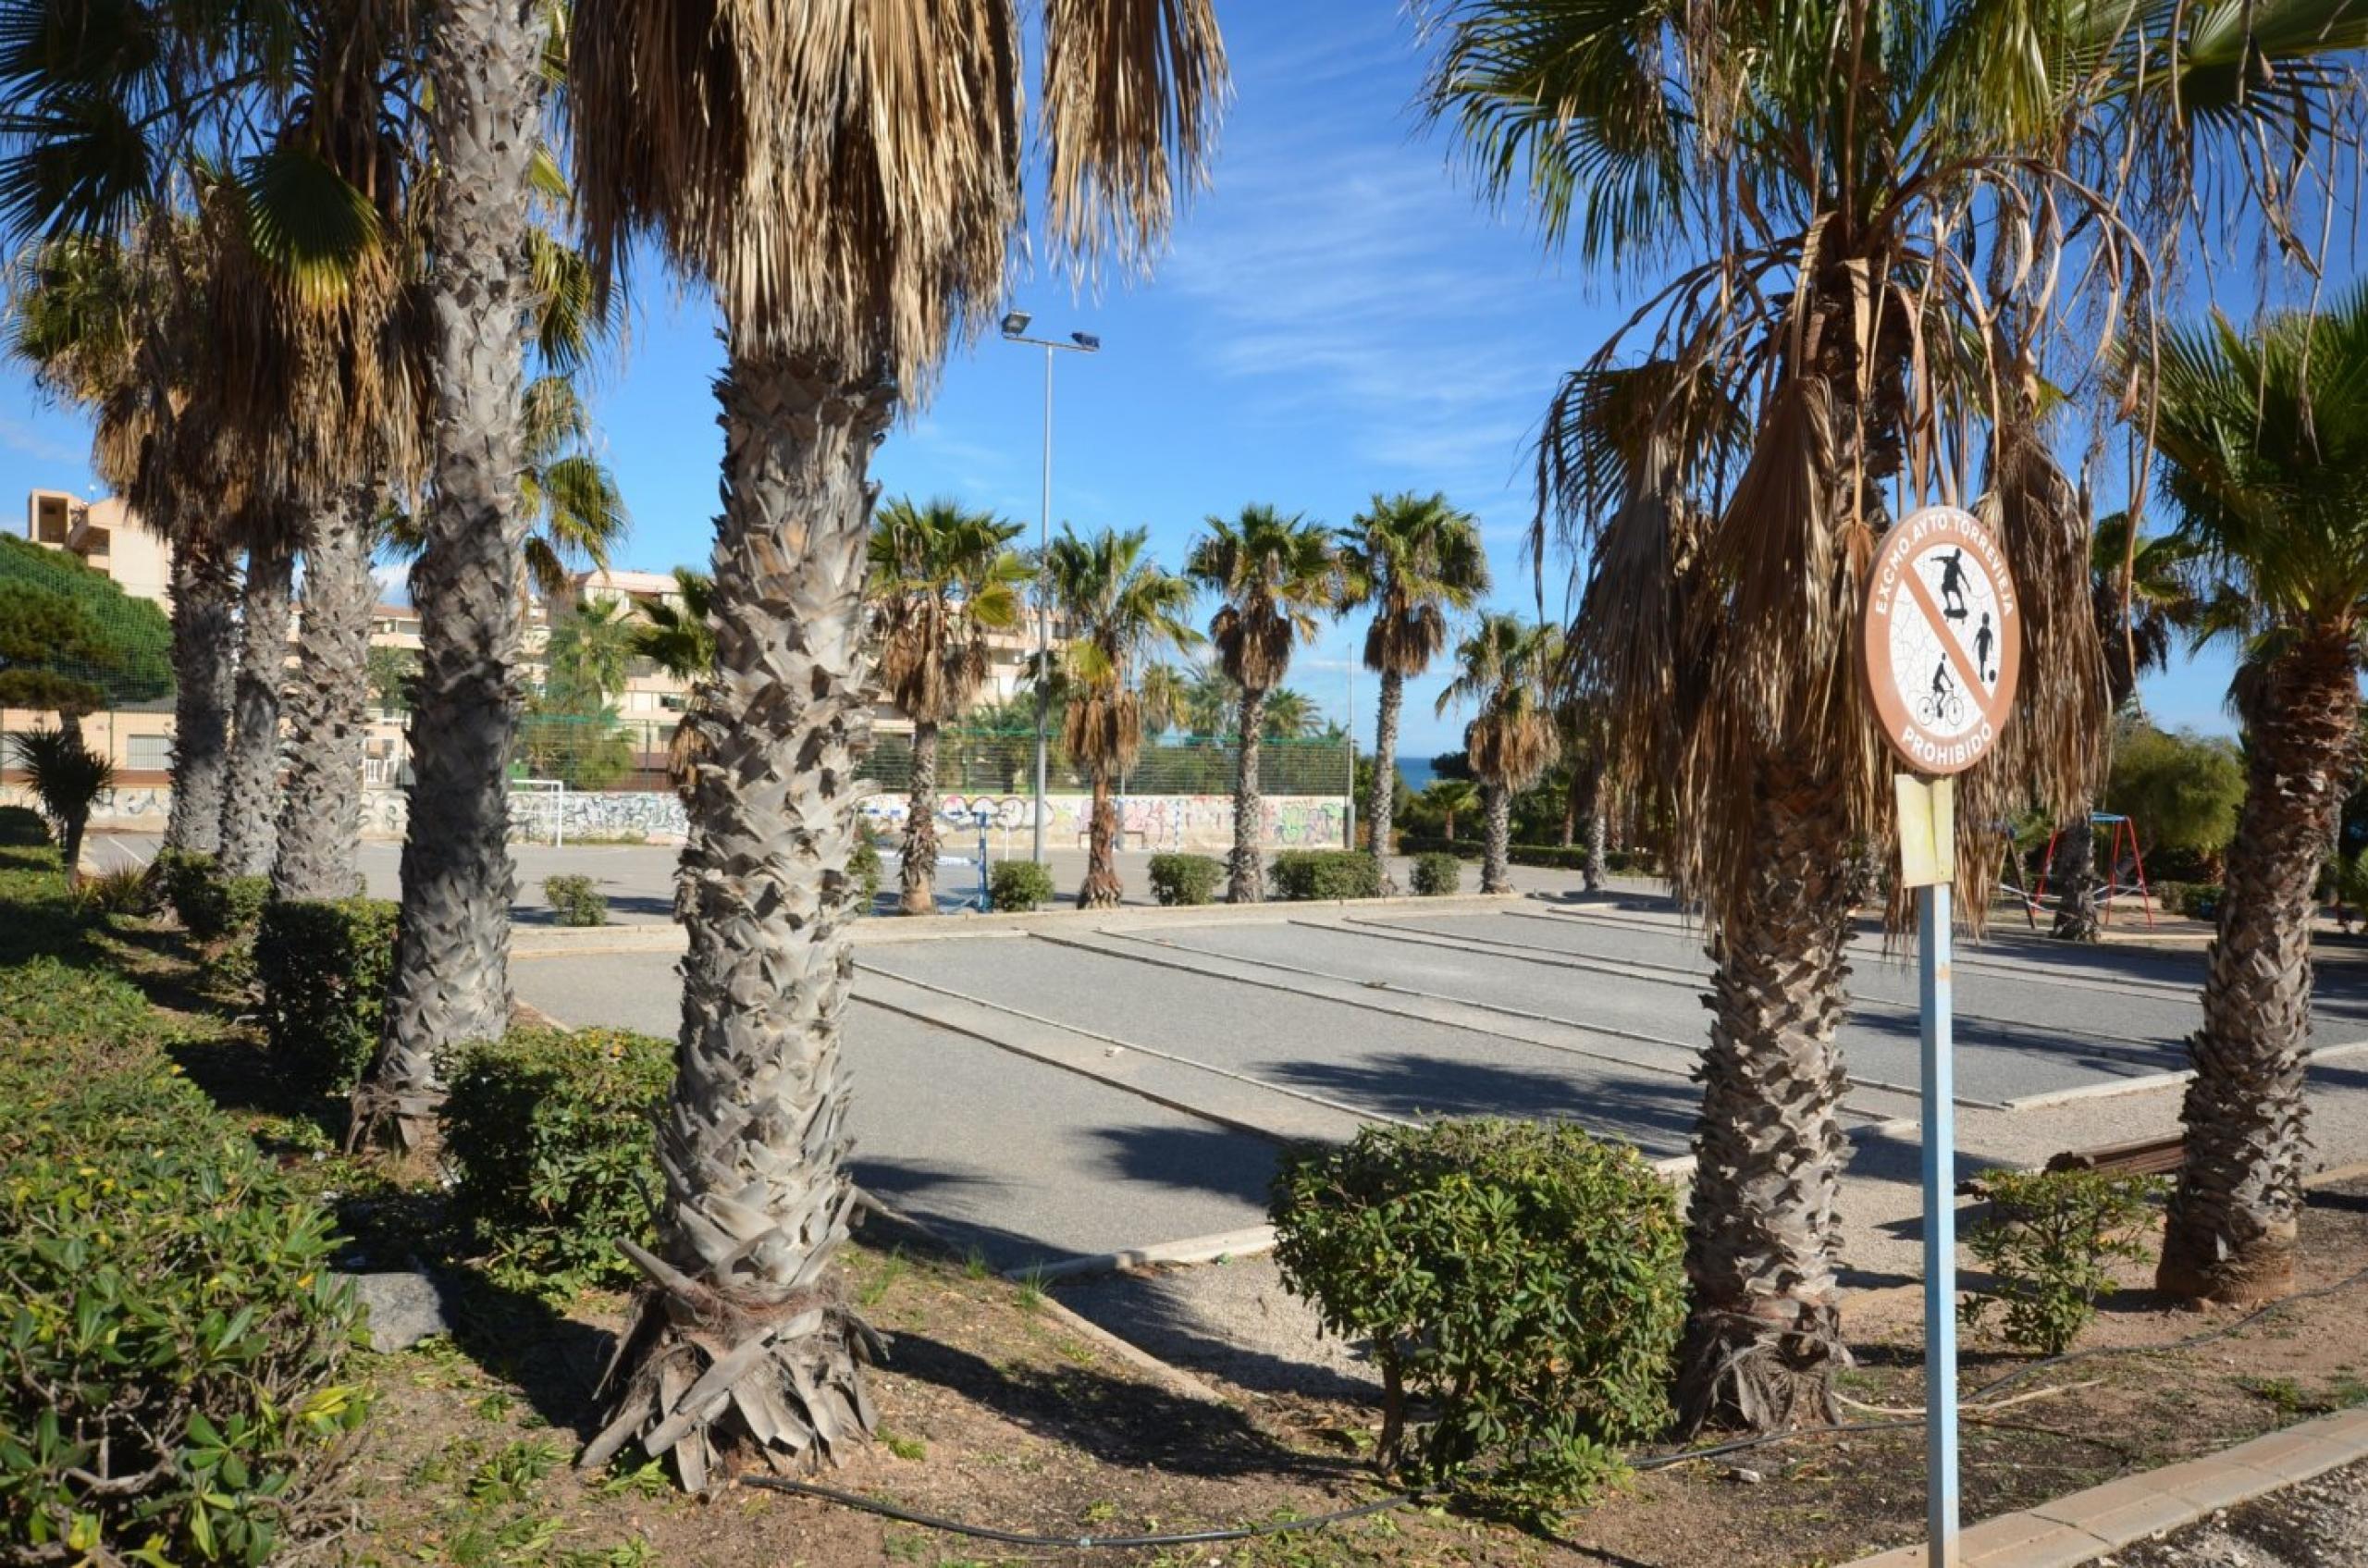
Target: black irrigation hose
point(1400, 1499)
point(1016, 1537)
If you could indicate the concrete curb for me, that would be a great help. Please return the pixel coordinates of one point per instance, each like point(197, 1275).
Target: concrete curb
point(2085, 1525)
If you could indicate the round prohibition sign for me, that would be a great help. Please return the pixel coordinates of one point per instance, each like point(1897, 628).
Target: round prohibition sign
point(1942, 640)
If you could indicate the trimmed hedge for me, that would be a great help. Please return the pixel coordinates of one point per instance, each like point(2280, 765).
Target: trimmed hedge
point(1521, 1281)
point(324, 969)
point(1568, 857)
point(1302, 875)
point(1186, 879)
point(212, 907)
point(1436, 874)
point(176, 1332)
point(553, 1138)
point(576, 901)
point(1017, 886)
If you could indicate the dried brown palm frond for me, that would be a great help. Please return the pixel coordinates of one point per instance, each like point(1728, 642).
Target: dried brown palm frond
point(1511, 745)
point(1102, 727)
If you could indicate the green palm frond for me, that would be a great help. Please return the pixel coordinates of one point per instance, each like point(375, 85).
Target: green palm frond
point(1275, 577)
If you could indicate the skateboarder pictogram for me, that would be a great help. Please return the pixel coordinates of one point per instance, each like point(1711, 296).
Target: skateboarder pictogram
point(1952, 584)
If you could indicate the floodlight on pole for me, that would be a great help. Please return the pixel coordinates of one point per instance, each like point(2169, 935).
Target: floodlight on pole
point(1015, 330)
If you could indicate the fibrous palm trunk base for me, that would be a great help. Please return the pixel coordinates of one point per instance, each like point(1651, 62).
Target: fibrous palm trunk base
point(1246, 881)
point(1764, 1337)
point(738, 1348)
point(251, 785)
point(320, 817)
point(2231, 1232)
point(1381, 805)
point(2079, 900)
point(1496, 838)
point(917, 878)
point(1597, 847)
point(452, 977)
point(205, 596)
point(1102, 889)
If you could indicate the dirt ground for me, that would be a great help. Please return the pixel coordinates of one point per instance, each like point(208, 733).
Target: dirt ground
point(998, 1411)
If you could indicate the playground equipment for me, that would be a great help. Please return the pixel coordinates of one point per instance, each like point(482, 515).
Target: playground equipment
point(2121, 854)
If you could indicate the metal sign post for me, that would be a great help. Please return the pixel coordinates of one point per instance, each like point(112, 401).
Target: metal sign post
point(1941, 642)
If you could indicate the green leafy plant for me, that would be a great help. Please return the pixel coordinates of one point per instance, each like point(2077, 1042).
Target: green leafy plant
point(1301, 874)
point(67, 778)
point(2050, 1240)
point(123, 891)
point(1523, 1288)
point(1435, 874)
point(552, 1136)
point(324, 969)
point(213, 908)
point(1017, 887)
point(172, 1389)
point(864, 869)
point(576, 901)
point(1186, 879)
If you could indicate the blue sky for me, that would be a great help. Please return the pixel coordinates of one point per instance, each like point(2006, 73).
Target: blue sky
point(1338, 316)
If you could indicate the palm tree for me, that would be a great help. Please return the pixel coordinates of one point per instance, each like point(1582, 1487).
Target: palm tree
point(319, 839)
point(942, 576)
point(2136, 640)
point(1418, 562)
point(1290, 715)
point(1273, 577)
point(1813, 171)
point(267, 610)
point(1502, 669)
point(67, 778)
point(1122, 611)
point(846, 182)
point(2265, 455)
point(589, 650)
point(1452, 798)
point(680, 639)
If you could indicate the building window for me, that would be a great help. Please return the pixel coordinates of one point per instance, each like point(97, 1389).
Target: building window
point(148, 754)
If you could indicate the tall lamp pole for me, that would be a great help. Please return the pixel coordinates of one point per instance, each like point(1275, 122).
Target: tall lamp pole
point(1014, 330)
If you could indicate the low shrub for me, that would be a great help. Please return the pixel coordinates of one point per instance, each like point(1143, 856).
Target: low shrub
point(2050, 1239)
point(324, 969)
point(1017, 886)
point(2197, 900)
point(1430, 843)
point(1186, 879)
point(176, 1332)
point(1521, 1283)
point(213, 908)
point(123, 891)
point(863, 866)
point(1301, 874)
point(576, 901)
point(1435, 874)
point(1562, 856)
point(21, 828)
point(552, 1137)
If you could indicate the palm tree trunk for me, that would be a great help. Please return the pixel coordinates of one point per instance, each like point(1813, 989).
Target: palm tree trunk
point(451, 979)
point(1102, 888)
point(2231, 1227)
point(206, 592)
point(2078, 895)
point(1765, 1336)
point(740, 1338)
point(920, 896)
point(1384, 800)
point(1497, 837)
point(1248, 880)
point(251, 785)
point(1591, 878)
point(320, 816)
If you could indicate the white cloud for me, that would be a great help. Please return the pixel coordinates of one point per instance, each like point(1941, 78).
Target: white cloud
point(17, 436)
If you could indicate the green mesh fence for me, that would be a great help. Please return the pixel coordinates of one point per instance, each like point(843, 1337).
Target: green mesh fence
point(608, 751)
point(72, 638)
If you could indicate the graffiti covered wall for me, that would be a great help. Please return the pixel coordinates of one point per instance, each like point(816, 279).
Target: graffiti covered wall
point(1200, 822)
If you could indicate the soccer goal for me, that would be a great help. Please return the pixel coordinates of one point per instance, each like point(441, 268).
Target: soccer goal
point(538, 811)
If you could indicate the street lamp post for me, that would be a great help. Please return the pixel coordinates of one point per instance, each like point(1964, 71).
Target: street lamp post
point(1014, 330)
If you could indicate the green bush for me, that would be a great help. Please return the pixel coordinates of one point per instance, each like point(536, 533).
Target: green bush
point(1301, 874)
point(174, 1331)
point(1186, 879)
point(1437, 873)
point(324, 969)
point(2049, 1240)
point(213, 908)
point(863, 866)
point(2198, 900)
point(552, 1137)
point(1017, 887)
point(1431, 843)
point(1521, 1283)
point(21, 828)
point(576, 901)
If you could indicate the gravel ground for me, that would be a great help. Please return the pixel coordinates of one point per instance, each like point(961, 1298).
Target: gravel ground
point(2320, 1523)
